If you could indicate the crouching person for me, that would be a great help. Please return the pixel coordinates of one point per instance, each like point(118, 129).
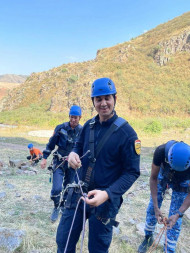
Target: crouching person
point(170, 169)
point(35, 154)
point(108, 171)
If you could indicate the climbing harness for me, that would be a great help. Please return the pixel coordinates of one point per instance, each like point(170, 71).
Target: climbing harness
point(159, 236)
point(74, 185)
point(84, 195)
point(50, 167)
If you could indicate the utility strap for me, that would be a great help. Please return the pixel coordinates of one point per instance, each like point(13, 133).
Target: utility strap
point(94, 153)
point(107, 221)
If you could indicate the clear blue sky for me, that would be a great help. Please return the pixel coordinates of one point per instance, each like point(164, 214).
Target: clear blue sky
point(37, 35)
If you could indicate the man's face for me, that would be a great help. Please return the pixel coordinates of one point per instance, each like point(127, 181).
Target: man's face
point(74, 120)
point(104, 105)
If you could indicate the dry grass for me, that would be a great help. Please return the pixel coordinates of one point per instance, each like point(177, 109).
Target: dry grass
point(32, 209)
point(9, 86)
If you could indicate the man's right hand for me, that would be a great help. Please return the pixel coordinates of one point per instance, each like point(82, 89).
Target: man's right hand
point(159, 215)
point(74, 160)
point(43, 163)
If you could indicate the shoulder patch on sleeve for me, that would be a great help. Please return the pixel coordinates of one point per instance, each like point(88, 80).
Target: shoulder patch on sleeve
point(137, 147)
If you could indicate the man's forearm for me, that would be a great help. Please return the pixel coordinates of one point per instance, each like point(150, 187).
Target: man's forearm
point(186, 204)
point(154, 191)
point(36, 158)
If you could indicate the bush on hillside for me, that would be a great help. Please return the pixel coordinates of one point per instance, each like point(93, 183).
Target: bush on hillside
point(64, 70)
point(72, 79)
point(153, 127)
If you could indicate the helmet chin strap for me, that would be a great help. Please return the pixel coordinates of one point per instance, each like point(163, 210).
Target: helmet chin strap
point(113, 111)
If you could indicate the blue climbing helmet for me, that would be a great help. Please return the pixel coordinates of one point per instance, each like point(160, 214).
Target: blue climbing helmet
point(179, 156)
point(168, 145)
point(30, 145)
point(75, 110)
point(103, 86)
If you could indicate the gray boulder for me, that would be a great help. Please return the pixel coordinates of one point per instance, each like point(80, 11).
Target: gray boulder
point(11, 239)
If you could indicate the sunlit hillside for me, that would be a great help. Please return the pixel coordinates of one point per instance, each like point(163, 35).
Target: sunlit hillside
point(151, 73)
point(5, 87)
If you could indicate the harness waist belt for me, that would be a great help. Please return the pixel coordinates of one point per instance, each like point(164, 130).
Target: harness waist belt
point(62, 151)
point(177, 187)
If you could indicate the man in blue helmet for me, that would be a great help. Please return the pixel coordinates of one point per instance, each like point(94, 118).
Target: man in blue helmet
point(107, 172)
point(170, 169)
point(64, 137)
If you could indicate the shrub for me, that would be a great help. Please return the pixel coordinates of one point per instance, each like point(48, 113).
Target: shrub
point(64, 70)
point(153, 127)
point(72, 79)
point(154, 51)
point(54, 122)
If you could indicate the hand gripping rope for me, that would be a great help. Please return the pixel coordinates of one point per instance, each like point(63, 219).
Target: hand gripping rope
point(159, 236)
point(84, 195)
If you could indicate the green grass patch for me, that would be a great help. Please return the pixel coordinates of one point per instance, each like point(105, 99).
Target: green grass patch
point(154, 127)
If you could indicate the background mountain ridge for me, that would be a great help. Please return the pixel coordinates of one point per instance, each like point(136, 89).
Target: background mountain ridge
point(12, 78)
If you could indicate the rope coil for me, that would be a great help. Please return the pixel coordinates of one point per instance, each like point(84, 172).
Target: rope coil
point(83, 195)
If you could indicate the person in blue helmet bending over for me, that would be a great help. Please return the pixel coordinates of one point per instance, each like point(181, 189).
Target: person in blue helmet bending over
point(170, 169)
point(109, 169)
point(64, 137)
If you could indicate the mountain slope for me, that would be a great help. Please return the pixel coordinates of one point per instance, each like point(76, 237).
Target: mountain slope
point(151, 73)
point(11, 78)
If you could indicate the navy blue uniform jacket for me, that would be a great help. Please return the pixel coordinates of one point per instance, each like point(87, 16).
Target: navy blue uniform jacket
point(117, 166)
point(64, 137)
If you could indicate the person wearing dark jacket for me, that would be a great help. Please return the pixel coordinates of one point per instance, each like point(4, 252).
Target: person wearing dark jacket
point(170, 169)
point(109, 169)
point(64, 137)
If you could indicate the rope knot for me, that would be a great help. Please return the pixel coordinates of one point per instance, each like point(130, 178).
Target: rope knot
point(158, 237)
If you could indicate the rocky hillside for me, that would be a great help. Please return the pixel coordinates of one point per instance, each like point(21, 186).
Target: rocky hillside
point(151, 73)
point(5, 88)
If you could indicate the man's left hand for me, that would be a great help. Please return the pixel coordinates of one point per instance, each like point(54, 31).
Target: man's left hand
point(172, 220)
point(96, 197)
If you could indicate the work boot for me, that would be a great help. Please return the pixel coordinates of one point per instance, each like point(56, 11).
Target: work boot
point(148, 241)
point(55, 214)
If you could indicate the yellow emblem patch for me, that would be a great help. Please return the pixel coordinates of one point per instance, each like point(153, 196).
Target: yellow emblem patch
point(138, 147)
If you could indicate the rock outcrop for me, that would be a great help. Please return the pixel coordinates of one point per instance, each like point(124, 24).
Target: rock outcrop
point(166, 49)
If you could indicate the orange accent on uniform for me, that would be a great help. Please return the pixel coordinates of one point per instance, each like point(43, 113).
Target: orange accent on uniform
point(36, 152)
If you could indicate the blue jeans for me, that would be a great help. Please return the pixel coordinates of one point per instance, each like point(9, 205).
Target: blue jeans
point(99, 238)
point(172, 234)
